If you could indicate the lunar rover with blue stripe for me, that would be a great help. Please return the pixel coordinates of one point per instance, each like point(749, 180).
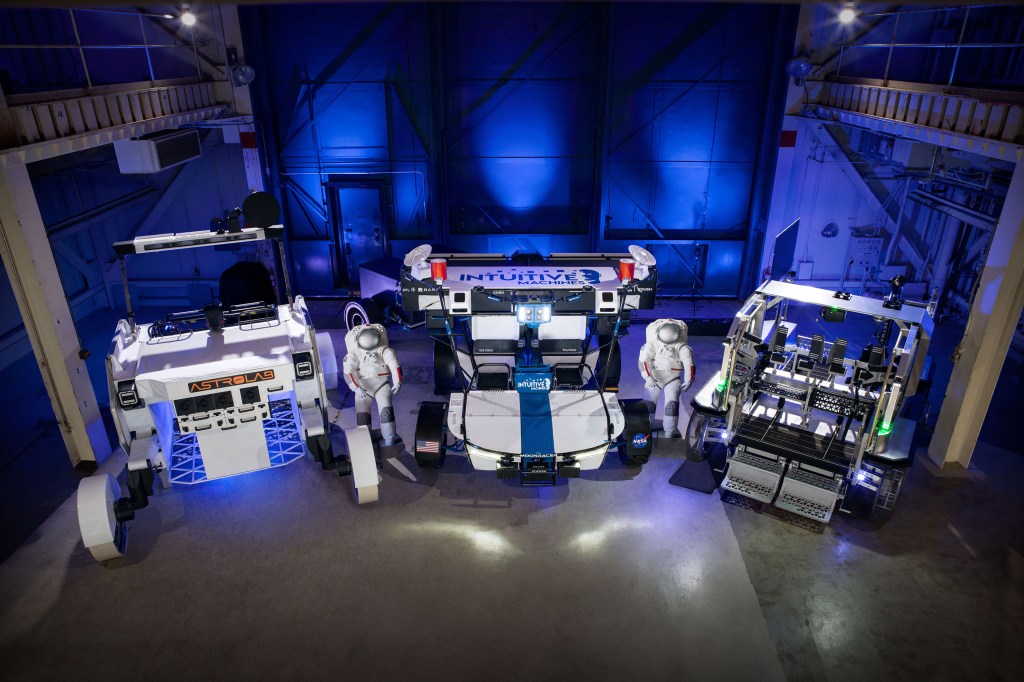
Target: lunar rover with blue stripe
point(526, 351)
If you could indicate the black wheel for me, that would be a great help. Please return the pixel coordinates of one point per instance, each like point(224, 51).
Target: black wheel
point(611, 366)
point(637, 441)
point(446, 370)
point(697, 446)
point(362, 311)
point(884, 504)
point(429, 448)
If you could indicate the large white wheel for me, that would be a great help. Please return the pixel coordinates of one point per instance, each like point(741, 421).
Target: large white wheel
point(328, 360)
point(102, 533)
point(365, 475)
point(367, 494)
point(362, 311)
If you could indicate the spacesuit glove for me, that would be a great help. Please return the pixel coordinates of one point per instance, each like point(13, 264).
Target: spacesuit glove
point(651, 383)
point(360, 393)
point(686, 386)
point(396, 388)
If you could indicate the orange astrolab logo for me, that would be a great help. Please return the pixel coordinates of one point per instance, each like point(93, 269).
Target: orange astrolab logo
point(228, 382)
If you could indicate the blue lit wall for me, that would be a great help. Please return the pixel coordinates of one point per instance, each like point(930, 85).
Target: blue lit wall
point(342, 96)
point(546, 126)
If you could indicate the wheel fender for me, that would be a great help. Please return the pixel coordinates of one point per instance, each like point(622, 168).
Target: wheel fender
point(618, 420)
point(328, 360)
point(638, 437)
point(96, 519)
point(365, 475)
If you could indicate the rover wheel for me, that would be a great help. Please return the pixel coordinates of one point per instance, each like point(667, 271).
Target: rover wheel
point(102, 533)
point(429, 448)
point(363, 458)
point(328, 360)
point(362, 311)
point(609, 371)
point(446, 369)
point(884, 504)
point(638, 441)
point(697, 447)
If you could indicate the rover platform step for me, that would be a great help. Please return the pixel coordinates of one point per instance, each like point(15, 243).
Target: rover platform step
point(538, 471)
point(753, 476)
point(808, 494)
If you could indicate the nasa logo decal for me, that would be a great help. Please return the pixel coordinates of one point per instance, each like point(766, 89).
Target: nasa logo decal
point(640, 440)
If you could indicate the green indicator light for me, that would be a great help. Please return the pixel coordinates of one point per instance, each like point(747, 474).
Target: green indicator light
point(885, 430)
point(721, 386)
point(834, 309)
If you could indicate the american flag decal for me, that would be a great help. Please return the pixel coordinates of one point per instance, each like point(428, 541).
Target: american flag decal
point(428, 446)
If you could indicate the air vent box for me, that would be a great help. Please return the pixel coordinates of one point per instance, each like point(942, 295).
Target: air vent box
point(158, 151)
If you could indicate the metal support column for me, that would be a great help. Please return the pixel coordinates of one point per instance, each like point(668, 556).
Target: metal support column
point(994, 314)
point(768, 150)
point(30, 264)
point(241, 99)
point(8, 133)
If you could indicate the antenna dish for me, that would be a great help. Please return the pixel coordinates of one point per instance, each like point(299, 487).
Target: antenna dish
point(417, 255)
point(642, 256)
point(261, 209)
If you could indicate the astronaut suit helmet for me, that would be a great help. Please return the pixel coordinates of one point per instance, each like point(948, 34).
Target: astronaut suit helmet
point(669, 333)
point(368, 339)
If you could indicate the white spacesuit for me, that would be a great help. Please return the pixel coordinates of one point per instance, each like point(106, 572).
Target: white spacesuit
point(368, 365)
point(666, 364)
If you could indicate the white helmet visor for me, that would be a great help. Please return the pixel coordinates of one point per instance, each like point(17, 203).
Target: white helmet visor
point(368, 339)
point(669, 333)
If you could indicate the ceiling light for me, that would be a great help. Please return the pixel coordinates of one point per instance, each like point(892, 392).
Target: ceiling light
point(188, 18)
point(847, 15)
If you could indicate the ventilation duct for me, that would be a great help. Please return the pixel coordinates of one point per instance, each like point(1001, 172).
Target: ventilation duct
point(158, 151)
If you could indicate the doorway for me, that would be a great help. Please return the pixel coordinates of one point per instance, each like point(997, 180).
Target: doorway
point(362, 214)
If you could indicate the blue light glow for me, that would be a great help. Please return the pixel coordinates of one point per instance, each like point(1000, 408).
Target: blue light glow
point(283, 440)
point(517, 144)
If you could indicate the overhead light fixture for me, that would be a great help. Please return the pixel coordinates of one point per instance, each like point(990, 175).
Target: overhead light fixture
point(798, 68)
point(188, 18)
point(168, 16)
point(847, 15)
point(243, 74)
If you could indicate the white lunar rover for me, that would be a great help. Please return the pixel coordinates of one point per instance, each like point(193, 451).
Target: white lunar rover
point(236, 387)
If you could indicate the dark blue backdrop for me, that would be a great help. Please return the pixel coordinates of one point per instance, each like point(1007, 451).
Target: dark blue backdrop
point(540, 126)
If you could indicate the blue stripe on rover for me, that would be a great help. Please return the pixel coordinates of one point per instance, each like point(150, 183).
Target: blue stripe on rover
point(533, 385)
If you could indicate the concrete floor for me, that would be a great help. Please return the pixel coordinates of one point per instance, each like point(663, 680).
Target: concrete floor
point(35, 473)
point(456, 575)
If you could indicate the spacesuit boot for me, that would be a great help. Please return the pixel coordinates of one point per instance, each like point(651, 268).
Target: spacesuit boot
point(368, 366)
point(666, 364)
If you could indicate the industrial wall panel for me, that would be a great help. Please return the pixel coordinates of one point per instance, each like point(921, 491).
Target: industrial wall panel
point(519, 118)
point(688, 107)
